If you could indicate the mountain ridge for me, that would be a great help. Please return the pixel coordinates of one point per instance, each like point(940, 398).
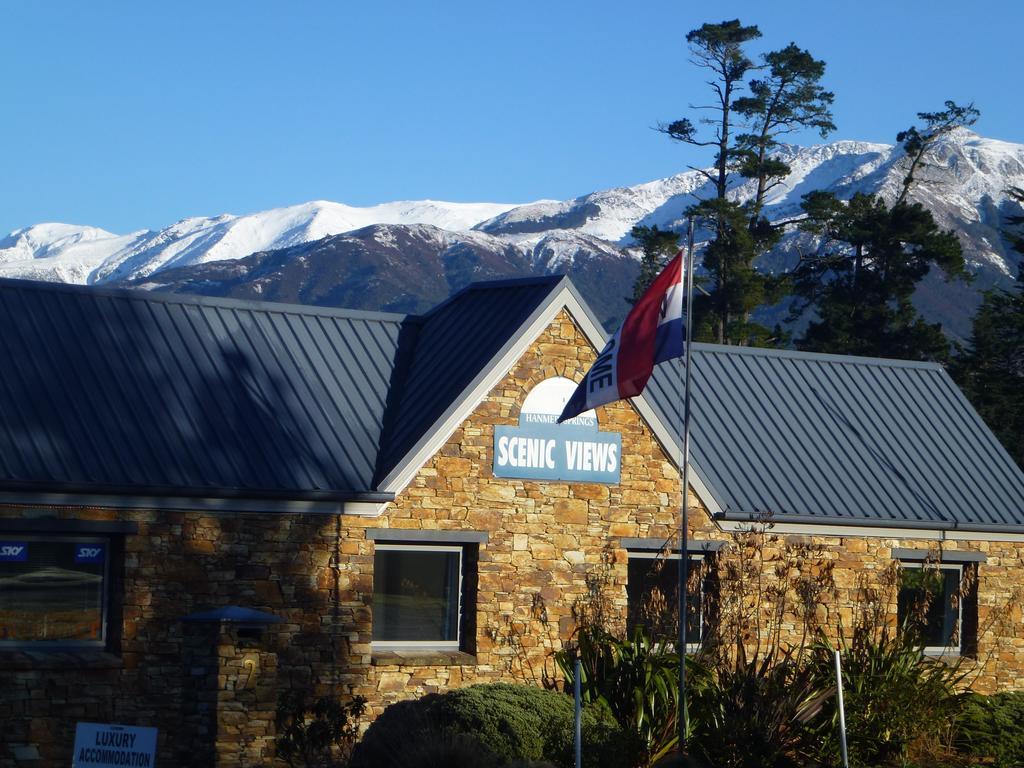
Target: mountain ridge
point(965, 187)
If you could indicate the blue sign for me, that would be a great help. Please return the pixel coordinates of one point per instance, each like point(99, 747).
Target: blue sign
point(13, 551)
point(89, 553)
point(541, 449)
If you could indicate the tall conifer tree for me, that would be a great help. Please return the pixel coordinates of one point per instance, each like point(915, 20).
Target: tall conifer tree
point(918, 142)
point(657, 246)
point(744, 132)
point(991, 372)
point(718, 48)
point(872, 255)
point(788, 98)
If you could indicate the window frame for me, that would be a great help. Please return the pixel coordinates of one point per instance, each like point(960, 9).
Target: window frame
point(427, 645)
point(958, 627)
point(674, 555)
point(106, 605)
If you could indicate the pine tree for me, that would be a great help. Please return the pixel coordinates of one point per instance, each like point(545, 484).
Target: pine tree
point(862, 280)
point(658, 247)
point(991, 373)
point(733, 287)
point(919, 142)
point(787, 98)
point(871, 257)
point(719, 49)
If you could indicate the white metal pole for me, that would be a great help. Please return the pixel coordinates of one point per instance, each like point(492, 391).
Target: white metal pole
point(685, 503)
point(578, 712)
point(842, 712)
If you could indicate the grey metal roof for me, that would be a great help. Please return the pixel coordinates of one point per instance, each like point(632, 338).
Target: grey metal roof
point(127, 392)
point(456, 343)
point(124, 391)
point(843, 439)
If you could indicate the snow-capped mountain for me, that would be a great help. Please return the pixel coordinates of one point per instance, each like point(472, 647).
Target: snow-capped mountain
point(295, 253)
point(610, 214)
point(404, 268)
point(67, 253)
point(966, 188)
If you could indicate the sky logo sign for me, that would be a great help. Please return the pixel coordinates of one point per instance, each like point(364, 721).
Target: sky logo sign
point(88, 553)
point(13, 551)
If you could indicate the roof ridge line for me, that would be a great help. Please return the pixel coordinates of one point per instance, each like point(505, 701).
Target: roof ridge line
point(159, 297)
point(829, 357)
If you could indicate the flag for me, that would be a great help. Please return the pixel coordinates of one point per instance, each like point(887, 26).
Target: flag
point(651, 333)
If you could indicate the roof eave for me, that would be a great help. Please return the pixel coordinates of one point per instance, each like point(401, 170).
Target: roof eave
point(185, 498)
point(870, 522)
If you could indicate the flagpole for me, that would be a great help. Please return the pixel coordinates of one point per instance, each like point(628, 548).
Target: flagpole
point(685, 503)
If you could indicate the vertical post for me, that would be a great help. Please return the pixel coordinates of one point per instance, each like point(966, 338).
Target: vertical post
point(685, 503)
point(578, 714)
point(842, 712)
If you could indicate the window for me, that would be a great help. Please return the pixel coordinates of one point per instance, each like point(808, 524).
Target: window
point(418, 596)
point(929, 601)
point(652, 592)
point(54, 590)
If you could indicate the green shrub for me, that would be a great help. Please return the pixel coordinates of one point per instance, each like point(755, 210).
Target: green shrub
point(991, 728)
point(637, 679)
point(431, 748)
point(505, 722)
point(315, 733)
point(756, 714)
point(900, 704)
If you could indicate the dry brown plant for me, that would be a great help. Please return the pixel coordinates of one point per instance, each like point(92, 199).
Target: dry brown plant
point(773, 596)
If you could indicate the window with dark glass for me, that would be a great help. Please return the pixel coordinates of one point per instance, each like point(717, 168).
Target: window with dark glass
point(53, 590)
point(417, 596)
point(929, 603)
point(652, 591)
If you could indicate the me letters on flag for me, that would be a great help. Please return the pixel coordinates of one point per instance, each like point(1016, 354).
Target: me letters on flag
point(651, 333)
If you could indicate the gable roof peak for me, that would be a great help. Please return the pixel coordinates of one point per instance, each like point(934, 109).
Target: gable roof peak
point(538, 281)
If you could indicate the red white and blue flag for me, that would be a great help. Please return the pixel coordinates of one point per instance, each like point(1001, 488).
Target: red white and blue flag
point(651, 333)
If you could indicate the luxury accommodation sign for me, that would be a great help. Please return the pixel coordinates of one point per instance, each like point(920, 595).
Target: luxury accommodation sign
point(541, 449)
point(100, 745)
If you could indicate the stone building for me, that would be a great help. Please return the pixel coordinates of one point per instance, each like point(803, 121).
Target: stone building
point(207, 502)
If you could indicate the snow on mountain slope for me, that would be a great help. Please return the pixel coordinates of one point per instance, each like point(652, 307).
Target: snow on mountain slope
point(405, 268)
point(62, 252)
point(610, 214)
point(559, 251)
point(47, 240)
point(965, 186)
point(77, 254)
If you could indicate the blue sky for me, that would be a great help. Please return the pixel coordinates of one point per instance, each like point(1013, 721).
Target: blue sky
point(133, 115)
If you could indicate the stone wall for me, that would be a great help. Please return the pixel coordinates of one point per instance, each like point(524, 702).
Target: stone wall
point(222, 703)
point(546, 539)
point(546, 543)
